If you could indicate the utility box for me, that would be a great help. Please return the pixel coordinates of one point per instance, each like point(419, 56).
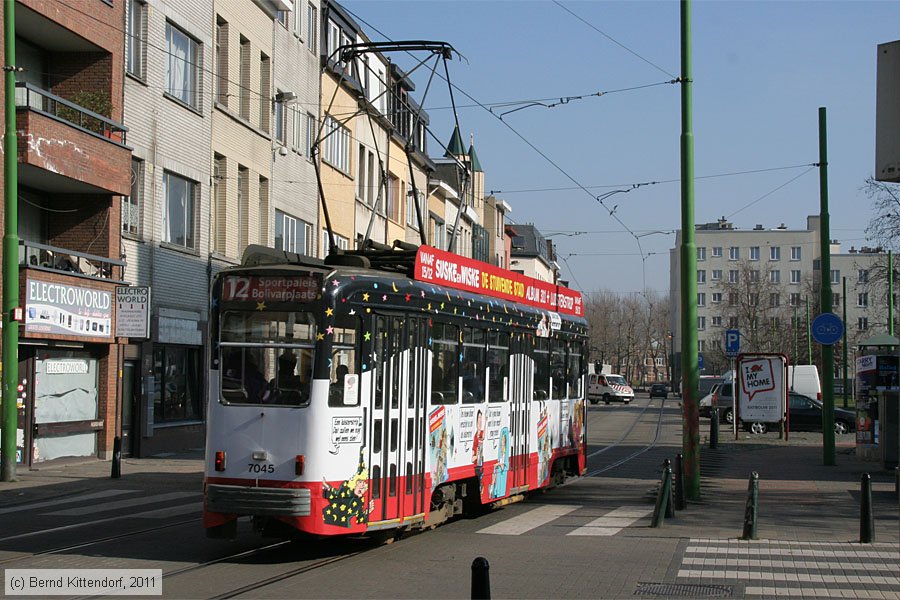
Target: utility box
point(889, 428)
point(887, 113)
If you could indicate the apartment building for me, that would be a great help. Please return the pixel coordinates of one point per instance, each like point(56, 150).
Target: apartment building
point(531, 254)
point(73, 168)
point(499, 244)
point(295, 106)
point(763, 282)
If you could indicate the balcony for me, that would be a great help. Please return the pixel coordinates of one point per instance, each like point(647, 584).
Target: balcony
point(66, 148)
point(68, 262)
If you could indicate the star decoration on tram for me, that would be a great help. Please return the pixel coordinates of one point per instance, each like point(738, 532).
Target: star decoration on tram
point(329, 312)
point(320, 336)
point(366, 297)
point(260, 306)
point(367, 336)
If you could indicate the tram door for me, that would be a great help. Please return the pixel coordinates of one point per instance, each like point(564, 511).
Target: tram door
point(398, 417)
point(520, 394)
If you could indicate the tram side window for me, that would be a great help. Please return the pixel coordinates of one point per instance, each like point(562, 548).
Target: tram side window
point(343, 363)
point(541, 369)
point(497, 361)
point(576, 366)
point(558, 369)
point(473, 365)
point(445, 364)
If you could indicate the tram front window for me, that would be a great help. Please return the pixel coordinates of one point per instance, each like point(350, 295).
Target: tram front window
point(267, 358)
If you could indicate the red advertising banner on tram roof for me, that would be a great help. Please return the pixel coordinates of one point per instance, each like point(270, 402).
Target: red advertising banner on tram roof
point(458, 272)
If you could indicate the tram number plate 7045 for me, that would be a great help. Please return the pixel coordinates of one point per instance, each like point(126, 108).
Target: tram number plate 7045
point(260, 468)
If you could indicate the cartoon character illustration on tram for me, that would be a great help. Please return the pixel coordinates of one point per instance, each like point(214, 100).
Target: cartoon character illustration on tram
point(348, 500)
point(501, 468)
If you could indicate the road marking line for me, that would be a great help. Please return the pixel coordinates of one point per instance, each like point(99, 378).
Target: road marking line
point(776, 576)
point(716, 541)
point(771, 591)
point(86, 510)
point(69, 500)
point(613, 522)
point(789, 564)
point(530, 520)
point(747, 551)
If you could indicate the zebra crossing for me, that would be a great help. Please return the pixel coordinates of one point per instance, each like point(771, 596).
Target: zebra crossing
point(608, 524)
point(109, 505)
point(795, 569)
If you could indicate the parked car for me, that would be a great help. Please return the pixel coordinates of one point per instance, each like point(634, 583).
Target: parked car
point(659, 390)
point(805, 414)
point(722, 397)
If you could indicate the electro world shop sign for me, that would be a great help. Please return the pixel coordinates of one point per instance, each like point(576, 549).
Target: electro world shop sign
point(67, 310)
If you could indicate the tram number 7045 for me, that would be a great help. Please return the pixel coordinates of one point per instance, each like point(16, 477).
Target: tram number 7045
point(260, 468)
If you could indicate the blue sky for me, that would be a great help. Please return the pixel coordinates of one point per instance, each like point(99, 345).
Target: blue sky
point(761, 71)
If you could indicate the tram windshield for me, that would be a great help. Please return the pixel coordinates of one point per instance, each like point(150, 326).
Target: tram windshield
point(267, 357)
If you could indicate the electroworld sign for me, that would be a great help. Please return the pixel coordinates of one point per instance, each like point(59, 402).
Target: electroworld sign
point(67, 310)
point(458, 272)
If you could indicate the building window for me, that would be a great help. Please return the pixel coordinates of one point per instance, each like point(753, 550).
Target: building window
point(178, 220)
point(221, 61)
point(734, 253)
point(795, 276)
point(717, 252)
point(754, 253)
point(265, 91)
point(795, 252)
point(177, 393)
point(411, 219)
point(774, 300)
point(701, 276)
point(701, 253)
point(717, 297)
point(775, 276)
point(219, 196)
point(282, 18)
point(835, 277)
point(701, 322)
point(135, 38)
point(733, 276)
point(394, 197)
point(701, 299)
point(775, 253)
point(862, 323)
point(862, 276)
point(292, 234)
point(340, 241)
point(753, 276)
point(183, 66)
point(298, 20)
point(243, 206)
point(310, 134)
point(244, 80)
point(336, 139)
point(753, 299)
point(862, 300)
point(733, 298)
point(717, 275)
point(361, 174)
point(717, 321)
point(795, 300)
point(296, 129)
point(131, 205)
point(312, 24)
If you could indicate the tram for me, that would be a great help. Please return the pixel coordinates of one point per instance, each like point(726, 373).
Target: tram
point(386, 390)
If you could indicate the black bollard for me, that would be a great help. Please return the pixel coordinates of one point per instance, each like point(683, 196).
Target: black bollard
point(481, 579)
point(866, 519)
point(663, 497)
point(670, 505)
point(679, 482)
point(714, 429)
point(752, 510)
point(116, 458)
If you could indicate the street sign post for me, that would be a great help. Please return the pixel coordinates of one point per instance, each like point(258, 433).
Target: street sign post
point(700, 362)
point(732, 343)
point(827, 329)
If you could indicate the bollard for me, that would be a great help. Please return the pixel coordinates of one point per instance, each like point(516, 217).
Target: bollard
point(866, 519)
point(481, 579)
point(752, 510)
point(714, 429)
point(679, 482)
point(116, 458)
point(670, 505)
point(662, 498)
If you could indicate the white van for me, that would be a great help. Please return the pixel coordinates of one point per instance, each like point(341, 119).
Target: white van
point(804, 379)
point(609, 387)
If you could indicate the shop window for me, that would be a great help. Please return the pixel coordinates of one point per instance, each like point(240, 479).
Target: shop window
point(177, 389)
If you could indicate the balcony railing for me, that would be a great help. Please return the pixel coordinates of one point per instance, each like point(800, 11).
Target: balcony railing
point(78, 264)
point(34, 98)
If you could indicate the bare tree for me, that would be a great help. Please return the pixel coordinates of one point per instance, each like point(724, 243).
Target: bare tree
point(884, 228)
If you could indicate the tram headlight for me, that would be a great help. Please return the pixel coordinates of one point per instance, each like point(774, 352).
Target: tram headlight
point(298, 464)
point(220, 460)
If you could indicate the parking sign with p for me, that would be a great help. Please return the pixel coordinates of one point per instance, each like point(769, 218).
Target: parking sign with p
point(732, 343)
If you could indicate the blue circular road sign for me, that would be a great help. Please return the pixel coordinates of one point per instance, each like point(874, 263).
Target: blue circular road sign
point(827, 328)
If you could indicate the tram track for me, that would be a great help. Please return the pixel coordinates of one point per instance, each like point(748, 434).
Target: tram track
point(646, 448)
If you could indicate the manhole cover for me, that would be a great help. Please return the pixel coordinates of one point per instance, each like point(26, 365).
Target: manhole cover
point(683, 590)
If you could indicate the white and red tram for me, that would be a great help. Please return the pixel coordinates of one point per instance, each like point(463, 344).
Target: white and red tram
point(349, 399)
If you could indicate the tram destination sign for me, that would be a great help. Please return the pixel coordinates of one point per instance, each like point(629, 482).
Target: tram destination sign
point(458, 272)
point(257, 288)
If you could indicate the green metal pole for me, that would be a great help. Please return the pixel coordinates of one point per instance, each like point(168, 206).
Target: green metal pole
point(10, 363)
point(825, 296)
point(844, 345)
point(809, 358)
point(890, 275)
point(690, 376)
